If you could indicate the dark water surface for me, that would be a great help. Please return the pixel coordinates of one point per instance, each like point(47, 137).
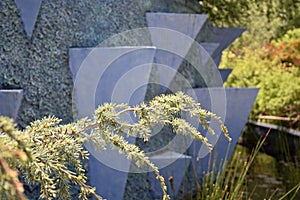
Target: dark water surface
point(269, 177)
point(275, 169)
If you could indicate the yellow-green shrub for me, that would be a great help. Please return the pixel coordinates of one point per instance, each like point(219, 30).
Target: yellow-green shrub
point(275, 68)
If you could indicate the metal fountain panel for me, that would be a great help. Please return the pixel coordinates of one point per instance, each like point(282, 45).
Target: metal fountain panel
point(173, 35)
point(225, 73)
point(225, 37)
point(189, 24)
point(29, 10)
point(172, 167)
point(109, 74)
point(210, 48)
point(234, 111)
point(10, 102)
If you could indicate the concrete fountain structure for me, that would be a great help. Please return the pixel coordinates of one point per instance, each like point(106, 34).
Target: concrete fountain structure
point(173, 37)
point(180, 52)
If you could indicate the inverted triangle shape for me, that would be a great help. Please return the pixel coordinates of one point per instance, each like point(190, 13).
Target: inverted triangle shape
point(173, 35)
point(29, 10)
point(171, 165)
point(189, 24)
point(234, 111)
point(10, 102)
point(225, 37)
point(109, 74)
point(225, 73)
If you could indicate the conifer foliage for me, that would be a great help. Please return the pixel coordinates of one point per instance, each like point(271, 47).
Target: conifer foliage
point(51, 153)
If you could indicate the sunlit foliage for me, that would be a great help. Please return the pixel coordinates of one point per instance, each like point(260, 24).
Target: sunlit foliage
point(52, 154)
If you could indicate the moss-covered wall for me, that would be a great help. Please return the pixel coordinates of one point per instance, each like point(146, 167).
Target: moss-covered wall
point(40, 65)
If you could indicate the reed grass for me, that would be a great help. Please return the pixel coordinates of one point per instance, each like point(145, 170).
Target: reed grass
point(228, 181)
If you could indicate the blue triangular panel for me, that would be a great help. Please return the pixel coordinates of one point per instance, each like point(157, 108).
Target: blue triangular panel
point(224, 36)
point(10, 102)
point(173, 34)
point(210, 47)
point(225, 73)
point(171, 165)
point(109, 74)
point(234, 106)
point(189, 24)
point(29, 10)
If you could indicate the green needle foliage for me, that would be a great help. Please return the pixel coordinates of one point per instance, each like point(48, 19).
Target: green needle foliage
point(52, 154)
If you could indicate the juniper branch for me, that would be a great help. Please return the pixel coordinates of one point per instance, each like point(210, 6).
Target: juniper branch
point(54, 148)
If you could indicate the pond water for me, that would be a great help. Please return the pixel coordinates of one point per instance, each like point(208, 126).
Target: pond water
point(276, 168)
point(274, 171)
point(269, 177)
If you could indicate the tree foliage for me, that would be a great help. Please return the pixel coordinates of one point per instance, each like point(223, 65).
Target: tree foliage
point(275, 68)
point(51, 154)
point(264, 19)
point(267, 54)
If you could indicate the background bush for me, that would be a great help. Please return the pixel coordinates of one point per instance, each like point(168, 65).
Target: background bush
point(274, 67)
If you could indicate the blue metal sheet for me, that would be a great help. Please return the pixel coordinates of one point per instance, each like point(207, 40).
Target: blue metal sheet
point(189, 24)
point(172, 167)
point(224, 36)
point(109, 74)
point(10, 102)
point(173, 35)
point(225, 73)
point(234, 111)
point(29, 10)
point(210, 47)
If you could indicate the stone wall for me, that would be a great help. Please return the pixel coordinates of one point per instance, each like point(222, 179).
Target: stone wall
point(39, 64)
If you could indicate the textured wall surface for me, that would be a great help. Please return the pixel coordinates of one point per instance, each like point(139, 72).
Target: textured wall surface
point(40, 65)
